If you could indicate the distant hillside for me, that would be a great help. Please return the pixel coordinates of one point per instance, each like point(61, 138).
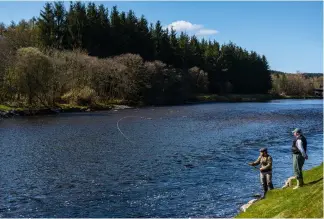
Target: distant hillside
point(313, 74)
point(277, 72)
point(308, 74)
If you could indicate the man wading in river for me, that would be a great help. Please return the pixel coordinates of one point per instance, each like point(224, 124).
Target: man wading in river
point(265, 170)
point(299, 147)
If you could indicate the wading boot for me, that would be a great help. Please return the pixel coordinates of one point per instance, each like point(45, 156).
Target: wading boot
point(265, 189)
point(270, 186)
point(301, 182)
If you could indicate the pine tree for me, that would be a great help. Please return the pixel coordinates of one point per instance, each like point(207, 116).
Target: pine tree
point(46, 24)
point(77, 23)
point(60, 26)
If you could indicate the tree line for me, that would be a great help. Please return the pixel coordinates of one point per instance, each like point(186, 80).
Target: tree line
point(180, 65)
point(299, 84)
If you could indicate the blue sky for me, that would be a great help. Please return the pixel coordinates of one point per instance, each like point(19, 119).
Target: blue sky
point(289, 34)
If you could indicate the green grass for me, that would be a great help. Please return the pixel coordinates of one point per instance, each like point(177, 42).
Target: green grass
point(70, 106)
point(5, 108)
point(96, 106)
point(306, 202)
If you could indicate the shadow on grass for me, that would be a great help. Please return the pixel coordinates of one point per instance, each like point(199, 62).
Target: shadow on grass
point(313, 182)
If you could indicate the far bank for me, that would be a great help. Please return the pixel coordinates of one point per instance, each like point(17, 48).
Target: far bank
point(7, 111)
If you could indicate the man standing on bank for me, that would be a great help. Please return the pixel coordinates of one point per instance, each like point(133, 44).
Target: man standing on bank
point(299, 149)
point(265, 170)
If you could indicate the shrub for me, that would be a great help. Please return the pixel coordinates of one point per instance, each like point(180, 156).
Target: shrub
point(33, 76)
point(80, 96)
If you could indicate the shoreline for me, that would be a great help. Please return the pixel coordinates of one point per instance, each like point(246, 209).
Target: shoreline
point(8, 112)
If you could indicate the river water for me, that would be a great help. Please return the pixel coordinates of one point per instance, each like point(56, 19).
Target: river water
point(180, 161)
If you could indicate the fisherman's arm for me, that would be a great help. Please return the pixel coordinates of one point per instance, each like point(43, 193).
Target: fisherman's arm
point(268, 166)
point(301, 149)
point(256, 162)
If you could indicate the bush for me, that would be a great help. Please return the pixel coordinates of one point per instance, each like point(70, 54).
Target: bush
point(134, 77)
point(166, 84)
point(80, 96)
point(199, 80)
point(33, 76)
point(294, 84)
point(107, 78)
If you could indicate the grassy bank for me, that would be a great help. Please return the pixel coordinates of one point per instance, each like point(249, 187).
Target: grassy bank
point(8, 111)
point(306, 202)
point(5, 108)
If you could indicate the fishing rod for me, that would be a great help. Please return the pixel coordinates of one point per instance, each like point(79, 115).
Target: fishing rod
point(254, 167)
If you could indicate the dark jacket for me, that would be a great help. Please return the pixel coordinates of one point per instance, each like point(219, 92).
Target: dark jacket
point(294, 148)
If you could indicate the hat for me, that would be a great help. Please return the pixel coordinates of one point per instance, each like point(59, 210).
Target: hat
point(263, 150)
point(297, 130)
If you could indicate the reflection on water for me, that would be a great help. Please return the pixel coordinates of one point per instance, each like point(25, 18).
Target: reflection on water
point(187, 161)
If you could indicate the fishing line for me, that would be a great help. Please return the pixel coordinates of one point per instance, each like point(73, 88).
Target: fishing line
point(254, 167)
point(122, 132)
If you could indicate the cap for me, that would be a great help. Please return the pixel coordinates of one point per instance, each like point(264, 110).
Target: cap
point(297, 130)
point(263, 150)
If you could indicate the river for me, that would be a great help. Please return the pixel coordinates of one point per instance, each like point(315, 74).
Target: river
point(179, 161)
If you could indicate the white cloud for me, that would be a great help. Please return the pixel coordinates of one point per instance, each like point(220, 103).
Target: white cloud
point(204, 32)
point(196, 29)
point(184, 26)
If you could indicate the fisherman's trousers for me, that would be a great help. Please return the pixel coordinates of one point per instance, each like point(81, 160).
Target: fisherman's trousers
point(298, 162)
point(266, 180)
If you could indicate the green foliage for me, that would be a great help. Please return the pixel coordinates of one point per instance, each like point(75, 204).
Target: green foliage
point(198, 80)
point(82, 97)
point(32, 76)
point(164, 84)
point(24, 34)
point(5, 108)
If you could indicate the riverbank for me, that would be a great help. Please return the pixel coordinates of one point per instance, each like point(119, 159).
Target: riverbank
point(306, 202)
point(246, 98)
point(9, 111)
point(231, 98)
